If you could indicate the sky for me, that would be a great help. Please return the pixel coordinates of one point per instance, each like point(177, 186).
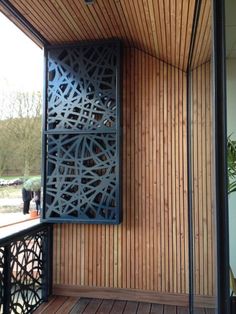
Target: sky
point(21, 60)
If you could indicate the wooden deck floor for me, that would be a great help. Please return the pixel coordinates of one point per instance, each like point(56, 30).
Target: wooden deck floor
point(63, 305)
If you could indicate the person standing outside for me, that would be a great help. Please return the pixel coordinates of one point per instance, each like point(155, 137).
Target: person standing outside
point(37, 195)
point(27, 197)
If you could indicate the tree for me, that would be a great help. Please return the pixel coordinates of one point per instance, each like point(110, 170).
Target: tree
point(22, 126)
point(5, 148)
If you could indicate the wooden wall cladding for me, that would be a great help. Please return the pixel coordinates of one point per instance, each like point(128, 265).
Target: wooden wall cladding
point(204, 235)
point(149, 249)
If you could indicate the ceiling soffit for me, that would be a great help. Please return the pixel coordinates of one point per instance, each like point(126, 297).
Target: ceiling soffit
point(160, 28)
point(203, 41)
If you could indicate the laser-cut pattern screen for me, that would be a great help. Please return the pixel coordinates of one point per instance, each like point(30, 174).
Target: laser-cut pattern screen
point(82, 134)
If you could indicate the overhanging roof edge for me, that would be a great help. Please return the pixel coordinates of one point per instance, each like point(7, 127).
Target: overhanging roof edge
point(24, 22)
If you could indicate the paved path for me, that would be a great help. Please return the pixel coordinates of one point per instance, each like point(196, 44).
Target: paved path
point(16, 220)
point(11, 229)
point(9, 218)
point(10, 201)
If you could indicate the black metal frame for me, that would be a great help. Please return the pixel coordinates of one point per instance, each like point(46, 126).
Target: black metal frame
point(189, 158)
point(19, 251)
point(220, 140)
point(219, 94)
point(49, 133)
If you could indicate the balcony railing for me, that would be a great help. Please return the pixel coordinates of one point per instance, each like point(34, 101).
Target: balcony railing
point(25, 269)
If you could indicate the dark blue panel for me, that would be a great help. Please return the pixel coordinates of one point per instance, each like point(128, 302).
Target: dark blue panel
point(82, 177)
point(82, 88)
point(82, 134)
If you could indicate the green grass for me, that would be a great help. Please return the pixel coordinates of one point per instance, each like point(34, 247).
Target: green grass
point(10, 209)
point(10, 191)
point(10, 177)
point(18, 177)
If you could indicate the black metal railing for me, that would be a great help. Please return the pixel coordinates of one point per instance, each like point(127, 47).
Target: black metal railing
point(25, 269)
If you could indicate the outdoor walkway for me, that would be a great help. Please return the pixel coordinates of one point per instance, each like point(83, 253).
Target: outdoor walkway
point(72, 305)
point(12, 226)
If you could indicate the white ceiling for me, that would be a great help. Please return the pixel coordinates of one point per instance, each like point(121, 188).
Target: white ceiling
point(230, 21)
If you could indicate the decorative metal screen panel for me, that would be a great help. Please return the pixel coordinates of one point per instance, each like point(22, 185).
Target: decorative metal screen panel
point(24, 271)
point(82, 133)
point(2, 260)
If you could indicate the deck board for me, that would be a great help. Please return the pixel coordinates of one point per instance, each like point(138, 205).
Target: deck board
point(182, 310)
point(131, 307)
point(44, 306)
point(118, 307)
point(93, 306)
point(170, 309)
point(73, 305)
point(67, 305)
point(55, 305)
point(157, 309)
point(144, 308)
point(80, 306)
point(105, 307)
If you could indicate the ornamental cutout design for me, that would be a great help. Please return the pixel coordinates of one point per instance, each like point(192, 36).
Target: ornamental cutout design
point(27, 273)
point(1, 278)
point(82, 88)
point(25, 269)
point(82, 134)
point(82, 180)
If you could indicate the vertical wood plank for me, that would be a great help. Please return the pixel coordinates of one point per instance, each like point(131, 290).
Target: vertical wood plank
point(136, 176)
point(173, 181)
point(143, 176)
point(202, 174)
point(140, 117)
point(149, 249)
point(185, 184)
point(132, 173)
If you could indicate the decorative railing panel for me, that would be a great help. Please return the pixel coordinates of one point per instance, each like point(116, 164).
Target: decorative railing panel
point(24, 270)
point(82, 134)
point(2, 260)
